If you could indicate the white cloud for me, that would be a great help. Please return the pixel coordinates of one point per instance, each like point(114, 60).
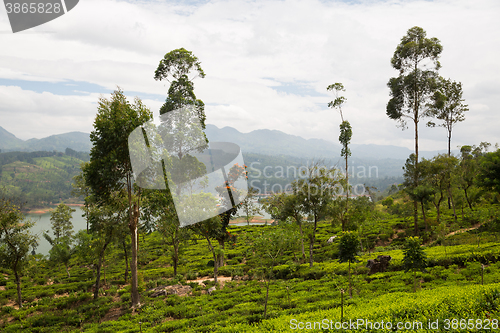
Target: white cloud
point(249, 47)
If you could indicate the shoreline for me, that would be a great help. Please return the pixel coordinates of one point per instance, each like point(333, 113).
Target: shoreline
point(45, 210)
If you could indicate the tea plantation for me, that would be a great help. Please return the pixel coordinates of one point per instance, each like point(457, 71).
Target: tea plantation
point(459, 291)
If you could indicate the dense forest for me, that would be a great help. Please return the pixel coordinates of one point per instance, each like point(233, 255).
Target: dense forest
point(423, 258)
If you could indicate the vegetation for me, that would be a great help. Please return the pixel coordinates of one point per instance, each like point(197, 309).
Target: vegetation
point(208, 276)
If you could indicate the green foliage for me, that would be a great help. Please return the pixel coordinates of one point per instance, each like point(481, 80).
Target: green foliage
point(489, 174)
point(414, 255)
point(348, 246)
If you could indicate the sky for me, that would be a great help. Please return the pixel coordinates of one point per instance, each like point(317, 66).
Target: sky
point(267, 64)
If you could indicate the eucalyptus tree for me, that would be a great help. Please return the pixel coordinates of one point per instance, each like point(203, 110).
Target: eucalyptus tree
point(109, 172)
point(16, 241)
point(416, 59)
point(446, 105)
point(344, 138)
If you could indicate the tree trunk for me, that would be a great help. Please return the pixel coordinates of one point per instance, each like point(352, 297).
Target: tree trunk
point(423, 214)
point(67, 270)
point(98, 269)
point(302, 242)
point(415, 203)
point(467, 198)
point(220, 257)
point(134, 216)
point(175, 257)
point(311, 243)
point(18, 283)
point(215, 259)
point(450, 197)
point(126, 260)
point(350, 281)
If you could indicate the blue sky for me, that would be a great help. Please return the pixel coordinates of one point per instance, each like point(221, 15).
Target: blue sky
point(267, 64)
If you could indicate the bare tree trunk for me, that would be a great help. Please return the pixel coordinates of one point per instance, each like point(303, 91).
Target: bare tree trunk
point(311, 243)
point(67, 270)
point(133, 261)
point(220, 257)
point(98, 269)
point(215, 259)
point(175, 257)
point(415, 204)
point(126, 260)
point(18, 283)
point(450, 197)
point(302, 242)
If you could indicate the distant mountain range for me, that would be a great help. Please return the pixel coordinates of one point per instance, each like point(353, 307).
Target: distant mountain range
point(262, 141)
point(78, 141)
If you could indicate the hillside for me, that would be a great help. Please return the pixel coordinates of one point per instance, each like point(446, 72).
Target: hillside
point(78, 141)
point(39, 178)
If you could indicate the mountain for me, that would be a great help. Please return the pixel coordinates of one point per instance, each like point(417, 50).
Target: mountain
point(273, 142)
point(78, 141)
point(8, 141)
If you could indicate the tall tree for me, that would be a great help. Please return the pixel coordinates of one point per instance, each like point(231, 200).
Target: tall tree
point(412, 91)
point(109, 172)
point(248, 206)
point(16, 241)
point(344, 139)
point(175, 67)
point(446, 105)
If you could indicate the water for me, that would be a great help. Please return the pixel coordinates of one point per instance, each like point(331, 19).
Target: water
point(42, 224)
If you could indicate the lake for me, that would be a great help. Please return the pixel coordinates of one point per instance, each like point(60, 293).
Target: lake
point(42, 224)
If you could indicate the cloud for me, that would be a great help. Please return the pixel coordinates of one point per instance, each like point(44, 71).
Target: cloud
point(267, 63)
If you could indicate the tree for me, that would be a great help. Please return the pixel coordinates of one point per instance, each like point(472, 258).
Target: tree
point(348, 250)
point(176, 65)
point(315, 190)
point(414, 257)
point(16, 241)
point(60, 220)
point(282, 207)
point(248, 205)
point(446, 105)
point(159, 205)
point(344, 139)
point(468, 170)
point(270, 246)
point(489, 172)
point(412, 91)
point(109, 172)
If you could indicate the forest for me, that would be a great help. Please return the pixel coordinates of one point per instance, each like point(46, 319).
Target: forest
point(424, 257)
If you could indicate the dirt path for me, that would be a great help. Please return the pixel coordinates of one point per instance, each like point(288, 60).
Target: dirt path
point(221, 279)
point(464, 230)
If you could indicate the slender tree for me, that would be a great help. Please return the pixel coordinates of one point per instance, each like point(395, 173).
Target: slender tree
point(109, 172)
point(344, 139)
point(412, 91)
